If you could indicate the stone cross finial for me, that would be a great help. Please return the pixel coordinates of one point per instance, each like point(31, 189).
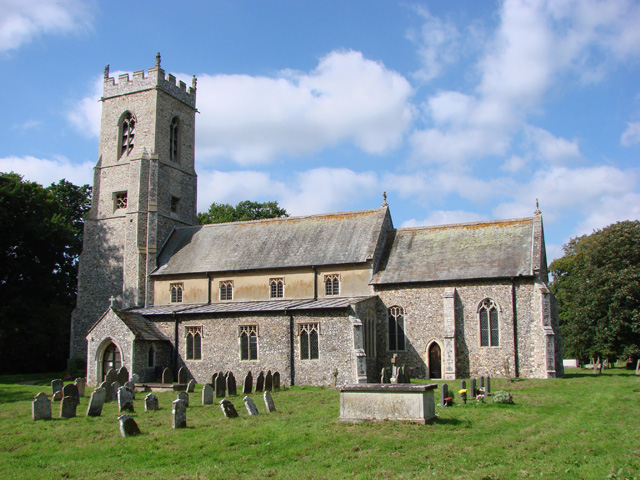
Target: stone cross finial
point(112, 299)
point(158, 59)
point(194, 82)
point(537, 212)
point(384, 199)
point(106, 72)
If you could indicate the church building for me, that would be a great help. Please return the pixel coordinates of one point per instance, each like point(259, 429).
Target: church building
point(317, 298)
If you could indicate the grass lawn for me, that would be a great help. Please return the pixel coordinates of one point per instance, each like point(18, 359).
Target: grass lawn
point(580, 426)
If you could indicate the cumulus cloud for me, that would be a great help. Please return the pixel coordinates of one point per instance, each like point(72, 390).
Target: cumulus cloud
point(445, 217)
point(47, 171)
point(85, 113)
point(22, 21)
point(631, 135)
point(346, 98)
point(548, 148)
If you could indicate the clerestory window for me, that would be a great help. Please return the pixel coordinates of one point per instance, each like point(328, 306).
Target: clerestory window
point(176, 292)
point(276, 287)
point(226, 290)
point(332, 284)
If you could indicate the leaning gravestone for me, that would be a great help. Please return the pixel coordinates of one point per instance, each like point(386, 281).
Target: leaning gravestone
point(228, 409)
point(56, 385)
point(68, 407)
point(251, 407)
point(268, 381)
point(81, 383)
point(125, 400)
point(123, 375)
point(71, 390)
point(276, 381)
point(150, 403)
point(96, 402)
point(131, 387)
point(179, 414)
point(487, 385)
point(220, 386)
point(191, 386)
point(128, 426)
point(260, 382)
point(207, 395)
point(184, 396)
point(231, 384)
point(114, 390)
point(111, 376)
point(444, 393)
point(167, 376)
point(41, 407)
point(107, 391)
point(268, 402)
point(183, 375)
point(247, 385)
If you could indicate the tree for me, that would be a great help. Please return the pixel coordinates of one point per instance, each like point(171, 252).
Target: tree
point(246, 210)
point(597, 284)
point(39, 249)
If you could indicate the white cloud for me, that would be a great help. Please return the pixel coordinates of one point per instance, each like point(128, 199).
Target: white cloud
point(445, 217)
point(346, 98)
point(23, 20)
point(85, 114)
point(514, 164)
point(631, 135)
point(548, 148)
point(46, 172)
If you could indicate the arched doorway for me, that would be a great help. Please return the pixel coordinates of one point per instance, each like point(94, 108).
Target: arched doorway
point(111, 359)
point(435, 361)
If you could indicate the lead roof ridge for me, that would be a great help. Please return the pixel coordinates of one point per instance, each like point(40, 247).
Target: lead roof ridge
point(466, 224)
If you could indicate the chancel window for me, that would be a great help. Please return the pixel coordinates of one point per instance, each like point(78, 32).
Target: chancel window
point(308, 333)
point(128, 132)
point(489, 326)
point(226, 290)
point(120, 201)
point(248, 342)
point(173, 140)
point(332, 284)
point(193, 337)
point(176, 292)
point(396, 328)
point(276, 287)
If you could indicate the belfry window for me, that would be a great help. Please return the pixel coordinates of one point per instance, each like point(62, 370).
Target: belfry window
point(489, 326)
point(173, 140)
point(276, 287)
point(332, 284)
point(226, 290)
point(194, 343)
point(120, 201)
point(176, 292)
point(248, 342)
point(396, 328)
point(128, 133)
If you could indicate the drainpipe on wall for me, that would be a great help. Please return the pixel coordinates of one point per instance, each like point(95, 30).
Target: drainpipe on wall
point(291, 350)
point(209, 288)
point(514, 311)
point(175, 339)
point(315, 282)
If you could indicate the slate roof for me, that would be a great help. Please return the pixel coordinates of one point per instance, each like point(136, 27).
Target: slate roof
point(142, 328)
point(328, 239)
point(496, 249)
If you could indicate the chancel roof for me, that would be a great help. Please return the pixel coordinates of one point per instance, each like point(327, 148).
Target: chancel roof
point(329, 239)
point(496, 249)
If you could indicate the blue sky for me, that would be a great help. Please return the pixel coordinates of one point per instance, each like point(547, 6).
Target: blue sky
point(460, 111)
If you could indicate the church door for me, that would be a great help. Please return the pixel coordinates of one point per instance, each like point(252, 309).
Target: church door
point(435, 361)
point(111, 359)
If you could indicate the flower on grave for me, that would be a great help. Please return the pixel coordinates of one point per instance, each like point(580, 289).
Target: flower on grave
point(463, 395)
point(448, 401)
point(480, 398)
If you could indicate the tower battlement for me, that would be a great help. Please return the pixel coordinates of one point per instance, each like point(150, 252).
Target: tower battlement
point(155, 79)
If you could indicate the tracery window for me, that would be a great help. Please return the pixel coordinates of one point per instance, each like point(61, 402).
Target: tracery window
point(194, 343)
point(173, 140)
point(396, 328)
point(309, 348)
point(332, 284)
point(120, 201)
point(276, 287)
point(226, 290)
point(489, 325)
point(248, 342)
point(128, 133)
point(176, 292)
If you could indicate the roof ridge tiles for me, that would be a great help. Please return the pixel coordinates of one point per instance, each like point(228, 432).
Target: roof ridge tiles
point(509, 221)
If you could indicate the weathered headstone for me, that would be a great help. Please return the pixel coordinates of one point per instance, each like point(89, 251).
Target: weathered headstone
point(247, 385)
point(131, 387)
point(268, 402)
point(184, 396)
point(260, 382)
point(125, 400)
point(221, 386)
point(444, 393)
point(96, 402)
point(114, 390)
point(128, 426)
point(232, 388)
point(463, 384)
point(81, 383)
point(183, 375)
point(250, 406)
point(111, 376)
point(70, 390)
point(150, 403)
point(68, 407)
point(56, 385)
point(123, 375)
point(207, 394)
point(228, 409)
point(481, 382)
point(213, 379)
point(276, 381)
point(167, 375)
point(41, 407)
point(56, 397)
point(268, 381)
point(108, 395)
point(191, 386)
point(179, 414)
point(487, 385)
point(135, 378)
point(473, 388)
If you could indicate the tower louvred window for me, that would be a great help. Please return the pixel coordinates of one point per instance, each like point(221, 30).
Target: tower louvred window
point(128, 134)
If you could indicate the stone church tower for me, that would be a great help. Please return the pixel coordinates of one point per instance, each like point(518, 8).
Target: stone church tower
point(144, 185)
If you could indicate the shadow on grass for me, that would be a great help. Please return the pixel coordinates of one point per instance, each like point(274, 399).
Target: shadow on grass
point(450, 421)
point(14, 395)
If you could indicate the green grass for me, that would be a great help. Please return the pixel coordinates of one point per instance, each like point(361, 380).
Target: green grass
point(581, 426)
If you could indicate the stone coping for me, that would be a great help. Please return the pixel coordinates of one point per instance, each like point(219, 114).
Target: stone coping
point(386, 387)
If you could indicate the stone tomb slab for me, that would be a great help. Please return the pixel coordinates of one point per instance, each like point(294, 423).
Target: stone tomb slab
point(380, 402)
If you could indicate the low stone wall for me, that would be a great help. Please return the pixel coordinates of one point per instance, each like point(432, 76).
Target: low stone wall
point(377, 402)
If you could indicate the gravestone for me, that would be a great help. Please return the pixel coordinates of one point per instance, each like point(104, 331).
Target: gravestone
point(150, 403)
point(247, 385)
point(221, 386)
point(191, 386)
point(207, 395)
point(123, 375)
point(481, 382)
point(228, 409)
point(56, 385)
point(96, 402)
point(276, 381)
point(125, 400)
point(111, 376)
point(41, 407)
point(107, 391)
point(251, 407)
point(184, 396)
point(268, 402)
point(131, 387)
point(114, 390)
point(179, 414)
point(232, 388)
point(268, 381)
point(463, 384)
point(487, 386)
point(167, 375)
point(56, 397)
point(213, 379)
point(384, 376)
point(68, 407)
point(183, 375)
point(70, 390)
point(444, 393)
point(128, 426)
point(135, 378)
point(260, 382)
point(81, 384)
point(473, 388)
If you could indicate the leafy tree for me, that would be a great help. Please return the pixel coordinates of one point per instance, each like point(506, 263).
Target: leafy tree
point(597, 284)
point(39, 249)
point(243, 211)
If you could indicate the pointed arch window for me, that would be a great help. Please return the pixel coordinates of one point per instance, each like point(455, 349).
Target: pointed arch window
point(174, 143)
point(111, 359)
point(309, 343)
point(396, 328)
point(332, 284)
point(248, 342)
point(276, 287)
point(489, 323)
point(176, 292)
point(226, 290)
point(127, 134)
point(194, 343)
